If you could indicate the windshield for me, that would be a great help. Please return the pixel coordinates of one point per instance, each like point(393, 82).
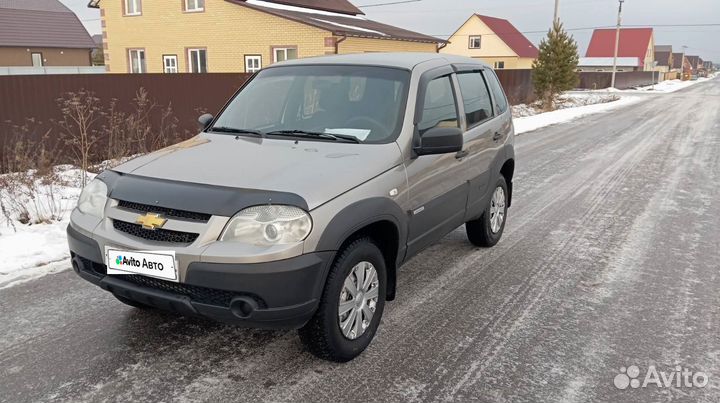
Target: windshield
point(366, 103)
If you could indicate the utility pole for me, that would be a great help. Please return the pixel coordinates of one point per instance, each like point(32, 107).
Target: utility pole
point(617, 42)
point(557, 11)
point(682, 64)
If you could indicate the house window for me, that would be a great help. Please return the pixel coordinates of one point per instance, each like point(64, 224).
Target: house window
point(37, 59)
point(475, 42)
point(197, 61)
point(282, 54)
point(133, 7)
point(194, 6)
point(499, 65)
point(137, 61)
point(253, 63)
point(170, 63)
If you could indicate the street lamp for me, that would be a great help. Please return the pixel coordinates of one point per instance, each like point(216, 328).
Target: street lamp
point(617, 42)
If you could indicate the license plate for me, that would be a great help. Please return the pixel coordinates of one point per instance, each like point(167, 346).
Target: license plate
point(146, 263)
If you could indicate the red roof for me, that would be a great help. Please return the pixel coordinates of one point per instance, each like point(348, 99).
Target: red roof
point(634, 42)
point(511, 36)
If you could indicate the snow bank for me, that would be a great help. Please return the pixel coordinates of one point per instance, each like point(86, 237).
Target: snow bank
point(32, 225)
point(530, 123)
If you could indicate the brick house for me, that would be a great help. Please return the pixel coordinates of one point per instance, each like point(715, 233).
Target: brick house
point(39, 33)
point(495, 41)
point(150, 36)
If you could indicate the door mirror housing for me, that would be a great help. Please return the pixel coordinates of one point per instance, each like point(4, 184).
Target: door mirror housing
point(205, 121)
point(440, 140)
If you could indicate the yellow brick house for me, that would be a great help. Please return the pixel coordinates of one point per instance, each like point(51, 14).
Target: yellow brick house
point(197, 36)
point(495, 41)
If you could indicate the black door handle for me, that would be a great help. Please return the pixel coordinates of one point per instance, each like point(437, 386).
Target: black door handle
point(461, 154)
point(497, 136)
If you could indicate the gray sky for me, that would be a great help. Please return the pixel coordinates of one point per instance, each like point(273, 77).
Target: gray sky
point(442, 17)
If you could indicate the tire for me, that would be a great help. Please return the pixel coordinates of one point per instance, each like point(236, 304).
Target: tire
point(132, 303)
point(322, 335)
point(480, 232)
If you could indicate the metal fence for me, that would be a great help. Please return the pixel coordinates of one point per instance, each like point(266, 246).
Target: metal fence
point(623, 80)
point(518, 85)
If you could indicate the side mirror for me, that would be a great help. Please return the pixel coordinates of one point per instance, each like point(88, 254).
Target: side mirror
point(205, 121)
point(440, 140)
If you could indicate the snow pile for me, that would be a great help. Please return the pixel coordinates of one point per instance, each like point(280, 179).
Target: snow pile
point(670, 85)
point(530, 123)
point(35, 212)
point(565, 101)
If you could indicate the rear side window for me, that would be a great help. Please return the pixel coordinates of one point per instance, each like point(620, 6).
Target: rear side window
point(501, 103)
point(439, 109)
point(476, 97)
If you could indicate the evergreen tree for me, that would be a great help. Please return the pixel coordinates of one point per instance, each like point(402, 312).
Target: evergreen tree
point(555, 69)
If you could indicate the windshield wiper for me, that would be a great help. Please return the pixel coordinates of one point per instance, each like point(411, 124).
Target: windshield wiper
point(319, 135)
point(233, 130)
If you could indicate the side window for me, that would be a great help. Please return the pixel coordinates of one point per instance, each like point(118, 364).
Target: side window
point(439, 109)
point(501, 103)
point(476, 97)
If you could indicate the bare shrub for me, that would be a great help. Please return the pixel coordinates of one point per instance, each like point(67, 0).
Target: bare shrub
point(28, 146)
point(80, 112)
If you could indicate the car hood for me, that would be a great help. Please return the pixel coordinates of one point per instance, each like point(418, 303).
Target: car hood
point(316, 171)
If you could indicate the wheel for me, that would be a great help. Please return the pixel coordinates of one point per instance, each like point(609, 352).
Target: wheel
point(487, 230)
point(132, 303)
point(351, 306)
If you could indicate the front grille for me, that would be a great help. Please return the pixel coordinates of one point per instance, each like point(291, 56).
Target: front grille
point(202, 295)
point(167, 212)
point(159, 235)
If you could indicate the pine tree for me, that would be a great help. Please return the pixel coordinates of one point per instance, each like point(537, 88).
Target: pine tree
point(555, 69)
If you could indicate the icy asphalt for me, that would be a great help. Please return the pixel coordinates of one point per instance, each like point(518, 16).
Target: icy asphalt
point(611, 258)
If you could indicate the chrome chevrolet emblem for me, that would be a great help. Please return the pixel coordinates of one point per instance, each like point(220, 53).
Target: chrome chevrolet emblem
point(151, 221)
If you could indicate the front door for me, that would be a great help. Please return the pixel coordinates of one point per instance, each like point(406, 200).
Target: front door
point(437, 186)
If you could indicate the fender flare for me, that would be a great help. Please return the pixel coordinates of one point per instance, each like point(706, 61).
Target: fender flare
point(361, 214)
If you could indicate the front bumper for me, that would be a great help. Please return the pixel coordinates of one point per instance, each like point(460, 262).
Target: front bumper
point(278, 294)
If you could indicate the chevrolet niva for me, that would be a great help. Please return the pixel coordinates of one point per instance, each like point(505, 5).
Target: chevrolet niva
point(295, 207)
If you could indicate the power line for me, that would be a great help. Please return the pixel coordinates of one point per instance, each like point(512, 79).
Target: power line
point(389, 3)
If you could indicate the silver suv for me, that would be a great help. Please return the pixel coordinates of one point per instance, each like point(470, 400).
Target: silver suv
point(295, 207)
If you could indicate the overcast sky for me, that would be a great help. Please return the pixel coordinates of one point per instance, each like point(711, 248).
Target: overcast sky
point(441, 18)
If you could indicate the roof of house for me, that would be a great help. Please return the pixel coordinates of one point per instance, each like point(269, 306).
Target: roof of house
point(507, 32)
point(336, 6)
point(634, 42)
point(694, 61)
point(41, 23)
point(677, 60)
point(663, 48)
point(336, 23)
point(608, 61)
point(662, 58)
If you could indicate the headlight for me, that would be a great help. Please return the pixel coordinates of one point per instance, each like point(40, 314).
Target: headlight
point(93, 197)
point(268, 225)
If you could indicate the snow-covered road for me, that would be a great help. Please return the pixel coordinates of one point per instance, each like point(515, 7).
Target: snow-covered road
point(610, 259)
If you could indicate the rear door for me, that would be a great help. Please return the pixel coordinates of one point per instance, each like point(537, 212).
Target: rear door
point(483, 135)
point(437, 185)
